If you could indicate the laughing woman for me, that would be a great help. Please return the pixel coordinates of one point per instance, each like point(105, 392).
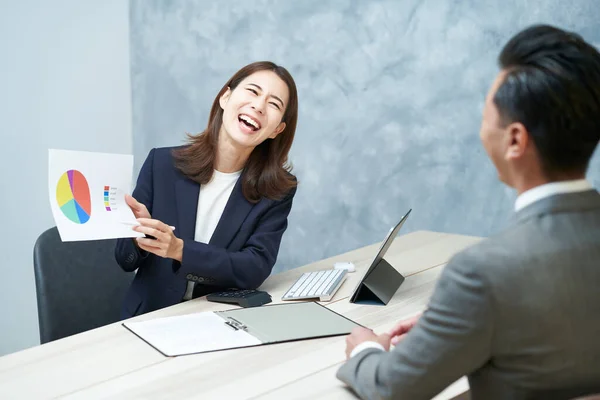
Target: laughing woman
point(227, 193)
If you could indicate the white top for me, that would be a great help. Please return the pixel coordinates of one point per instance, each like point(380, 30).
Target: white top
point(212, 200)
point(525, 199)
point(550, 189)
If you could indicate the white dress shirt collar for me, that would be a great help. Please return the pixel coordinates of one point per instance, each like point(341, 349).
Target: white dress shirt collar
point(551, 189)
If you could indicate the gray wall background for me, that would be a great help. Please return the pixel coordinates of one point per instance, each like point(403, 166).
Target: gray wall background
point(391, 94)
point(64, 83)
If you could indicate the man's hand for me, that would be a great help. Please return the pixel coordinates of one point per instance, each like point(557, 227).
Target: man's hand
point(399, 331)
point(360, 335)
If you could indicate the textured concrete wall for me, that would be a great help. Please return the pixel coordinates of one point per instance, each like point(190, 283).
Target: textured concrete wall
point(391, 94)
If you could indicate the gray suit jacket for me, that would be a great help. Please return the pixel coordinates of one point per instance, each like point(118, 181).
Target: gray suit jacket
point(519, 313)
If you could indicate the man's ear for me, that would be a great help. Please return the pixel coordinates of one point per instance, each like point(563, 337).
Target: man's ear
point(279, 129)
point(224, 98)
point(518, 140)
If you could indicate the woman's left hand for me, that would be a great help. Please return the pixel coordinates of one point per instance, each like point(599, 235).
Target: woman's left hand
point(165, 245)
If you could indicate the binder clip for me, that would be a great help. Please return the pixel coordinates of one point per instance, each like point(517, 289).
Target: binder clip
point(235, 324)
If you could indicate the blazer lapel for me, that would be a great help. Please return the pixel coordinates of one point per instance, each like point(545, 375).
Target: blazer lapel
point(187, 192)
point(234, 214)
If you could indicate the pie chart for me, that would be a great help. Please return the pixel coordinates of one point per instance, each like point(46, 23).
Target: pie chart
point(73, 196)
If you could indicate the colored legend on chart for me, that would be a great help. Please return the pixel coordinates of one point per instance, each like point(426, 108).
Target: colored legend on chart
point(73, 196)
point(109, 198)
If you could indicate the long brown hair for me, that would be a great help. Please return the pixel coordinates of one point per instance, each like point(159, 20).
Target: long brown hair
point(267, 172)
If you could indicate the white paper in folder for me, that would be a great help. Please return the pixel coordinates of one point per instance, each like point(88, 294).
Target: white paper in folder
point(193, 333)
point(210, 331)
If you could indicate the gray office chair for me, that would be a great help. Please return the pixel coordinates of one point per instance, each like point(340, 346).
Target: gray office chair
point(79, 285)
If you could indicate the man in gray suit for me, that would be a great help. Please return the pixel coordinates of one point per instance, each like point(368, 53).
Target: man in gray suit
point(518, 313)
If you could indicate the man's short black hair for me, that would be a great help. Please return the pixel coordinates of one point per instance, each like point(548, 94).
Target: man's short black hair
point(552, 87)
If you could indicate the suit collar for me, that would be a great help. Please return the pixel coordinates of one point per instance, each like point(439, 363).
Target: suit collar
point(579, 201)
point(235, 212)
point(187, 192)
point(551, 189)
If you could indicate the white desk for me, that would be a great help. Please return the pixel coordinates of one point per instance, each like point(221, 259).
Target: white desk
point(110, 362)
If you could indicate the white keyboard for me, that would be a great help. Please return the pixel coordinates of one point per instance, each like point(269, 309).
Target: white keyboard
point(318, 284)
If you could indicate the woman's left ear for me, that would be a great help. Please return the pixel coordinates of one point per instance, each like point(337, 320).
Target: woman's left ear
point(279, 129)
point(224, 97)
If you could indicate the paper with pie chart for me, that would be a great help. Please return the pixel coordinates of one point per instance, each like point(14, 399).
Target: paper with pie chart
point(87, 194)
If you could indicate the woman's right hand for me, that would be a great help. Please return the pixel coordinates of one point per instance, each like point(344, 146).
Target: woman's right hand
point(139, 210)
